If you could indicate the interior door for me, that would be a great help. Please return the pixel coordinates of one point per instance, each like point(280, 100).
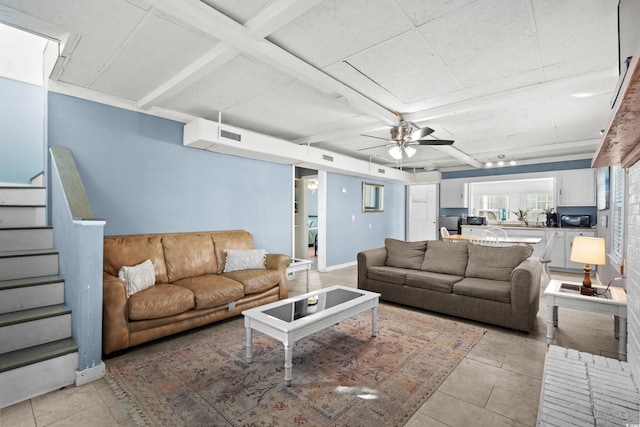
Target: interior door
point(421, 212)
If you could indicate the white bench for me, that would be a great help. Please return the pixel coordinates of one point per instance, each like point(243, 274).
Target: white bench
point(583, 389)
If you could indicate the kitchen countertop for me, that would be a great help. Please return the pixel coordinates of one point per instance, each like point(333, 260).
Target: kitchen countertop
point(518, 227)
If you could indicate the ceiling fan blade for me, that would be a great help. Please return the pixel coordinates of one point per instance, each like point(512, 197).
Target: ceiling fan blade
point(435, 142)
point(420, 133)
point(376, 137)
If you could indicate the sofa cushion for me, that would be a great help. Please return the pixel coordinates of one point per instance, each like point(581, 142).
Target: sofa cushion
point(405, 254)
point(235, 239)
point(494, 290)
point(432, 281)
point(138, 278)
point(212, 290)
point(120, 251)
point(189, 255)
point(161, 300)
point(387, 274)
point(446, 257)
point(245, 259)
point(495, 262)
point(255, 281)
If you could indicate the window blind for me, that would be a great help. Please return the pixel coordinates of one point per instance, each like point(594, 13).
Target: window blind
point(617, 213)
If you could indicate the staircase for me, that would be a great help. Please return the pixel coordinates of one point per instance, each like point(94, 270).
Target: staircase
point(37, 353)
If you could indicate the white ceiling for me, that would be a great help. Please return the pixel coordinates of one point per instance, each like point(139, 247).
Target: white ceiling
point(527, 79)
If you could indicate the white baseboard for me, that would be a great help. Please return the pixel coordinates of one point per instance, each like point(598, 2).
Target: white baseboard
point(339, 266)
point(90, 374)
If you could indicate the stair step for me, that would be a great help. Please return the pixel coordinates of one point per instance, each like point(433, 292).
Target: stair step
point(32, 314)
point(27, 356)
point(25, 238)
point(23, 195)
point(31, 263)
point(30, 281)
point(22, 216)
point(35, 326)
point(40, 377)
point(23, 294)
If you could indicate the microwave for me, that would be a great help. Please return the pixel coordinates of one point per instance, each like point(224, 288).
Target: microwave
point(575, 221)
point(476, 220)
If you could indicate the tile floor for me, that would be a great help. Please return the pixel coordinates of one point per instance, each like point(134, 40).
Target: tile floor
point(497, 384)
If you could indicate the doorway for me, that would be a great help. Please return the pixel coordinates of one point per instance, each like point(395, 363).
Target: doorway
point(422, 208)
point(306, 223)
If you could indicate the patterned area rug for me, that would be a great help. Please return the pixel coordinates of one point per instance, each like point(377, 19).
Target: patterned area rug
point(341, 376)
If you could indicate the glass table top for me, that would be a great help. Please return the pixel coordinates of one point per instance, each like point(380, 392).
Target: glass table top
point(306, 306)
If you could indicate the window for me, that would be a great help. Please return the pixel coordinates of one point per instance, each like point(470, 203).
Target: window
point(497, 200)
point(617, 213)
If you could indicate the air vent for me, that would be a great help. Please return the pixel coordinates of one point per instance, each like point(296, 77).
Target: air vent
point(327, 158)
point(230, 135)
point(381, 171)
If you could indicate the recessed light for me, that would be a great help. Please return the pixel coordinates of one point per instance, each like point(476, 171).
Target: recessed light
point(582, 95)
point(488, 164)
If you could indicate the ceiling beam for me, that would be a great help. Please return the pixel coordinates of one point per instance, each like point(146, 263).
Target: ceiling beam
point(507, 96)
point(237, 36)
point(266, 22)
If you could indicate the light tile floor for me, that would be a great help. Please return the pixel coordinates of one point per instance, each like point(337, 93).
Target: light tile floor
point(498, 383)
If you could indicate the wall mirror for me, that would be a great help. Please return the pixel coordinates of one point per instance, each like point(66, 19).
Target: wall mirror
point(372, 197)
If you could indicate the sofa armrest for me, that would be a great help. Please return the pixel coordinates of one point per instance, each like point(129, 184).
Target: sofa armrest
point(370, 258)
point(525, 282)
point(115, 317)
point(280, 262)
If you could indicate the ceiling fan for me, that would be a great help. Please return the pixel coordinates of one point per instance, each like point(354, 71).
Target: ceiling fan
point(403, 137)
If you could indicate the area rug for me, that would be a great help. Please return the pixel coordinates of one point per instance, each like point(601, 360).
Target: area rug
point(342, 376)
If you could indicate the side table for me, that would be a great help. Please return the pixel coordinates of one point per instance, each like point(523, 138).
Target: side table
point(615, 303)
point(299, 264)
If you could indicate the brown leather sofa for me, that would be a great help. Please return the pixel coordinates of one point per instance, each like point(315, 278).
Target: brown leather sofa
point(191, 288)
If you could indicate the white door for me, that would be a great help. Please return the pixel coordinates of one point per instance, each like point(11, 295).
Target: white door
point(421, 212)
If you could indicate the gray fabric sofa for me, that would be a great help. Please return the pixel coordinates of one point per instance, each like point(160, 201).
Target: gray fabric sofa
point(491, 284)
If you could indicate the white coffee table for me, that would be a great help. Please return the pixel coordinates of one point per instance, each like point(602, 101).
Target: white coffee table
point(615, 303)
point(294, 318)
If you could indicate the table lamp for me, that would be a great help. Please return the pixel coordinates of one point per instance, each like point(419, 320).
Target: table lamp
point(588, 250)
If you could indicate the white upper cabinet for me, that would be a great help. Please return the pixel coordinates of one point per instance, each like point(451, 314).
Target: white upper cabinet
point(577, 187)
point(453, 193)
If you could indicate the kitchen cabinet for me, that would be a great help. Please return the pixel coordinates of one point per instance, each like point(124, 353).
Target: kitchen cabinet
point(568, 244)
point(538, 248)
point(576, 187)
point(472, 230)
point(557, 253)
point(560, 250)
point(453, 193)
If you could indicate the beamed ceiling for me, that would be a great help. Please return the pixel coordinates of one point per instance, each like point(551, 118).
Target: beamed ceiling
point(529, 80)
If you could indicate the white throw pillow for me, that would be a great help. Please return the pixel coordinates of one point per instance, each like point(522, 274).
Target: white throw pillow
point(249, 259)
point(139, 277)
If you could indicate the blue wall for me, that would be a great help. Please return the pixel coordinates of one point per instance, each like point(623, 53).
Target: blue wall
point(345, 237)
point(141, 179)
point(21, 131)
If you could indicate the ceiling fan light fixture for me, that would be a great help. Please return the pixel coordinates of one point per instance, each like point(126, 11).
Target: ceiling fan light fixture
point(410, 151)
point(396, 152)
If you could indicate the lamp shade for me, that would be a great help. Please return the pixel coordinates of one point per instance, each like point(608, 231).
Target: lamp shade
point(409, 151)
point(396, 152)
point(588, 250)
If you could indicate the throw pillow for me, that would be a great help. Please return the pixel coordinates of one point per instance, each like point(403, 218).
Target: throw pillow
point(446, 257)
point(405, 254)
point(138, 277)
point(247, 259)
point(495, 262)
